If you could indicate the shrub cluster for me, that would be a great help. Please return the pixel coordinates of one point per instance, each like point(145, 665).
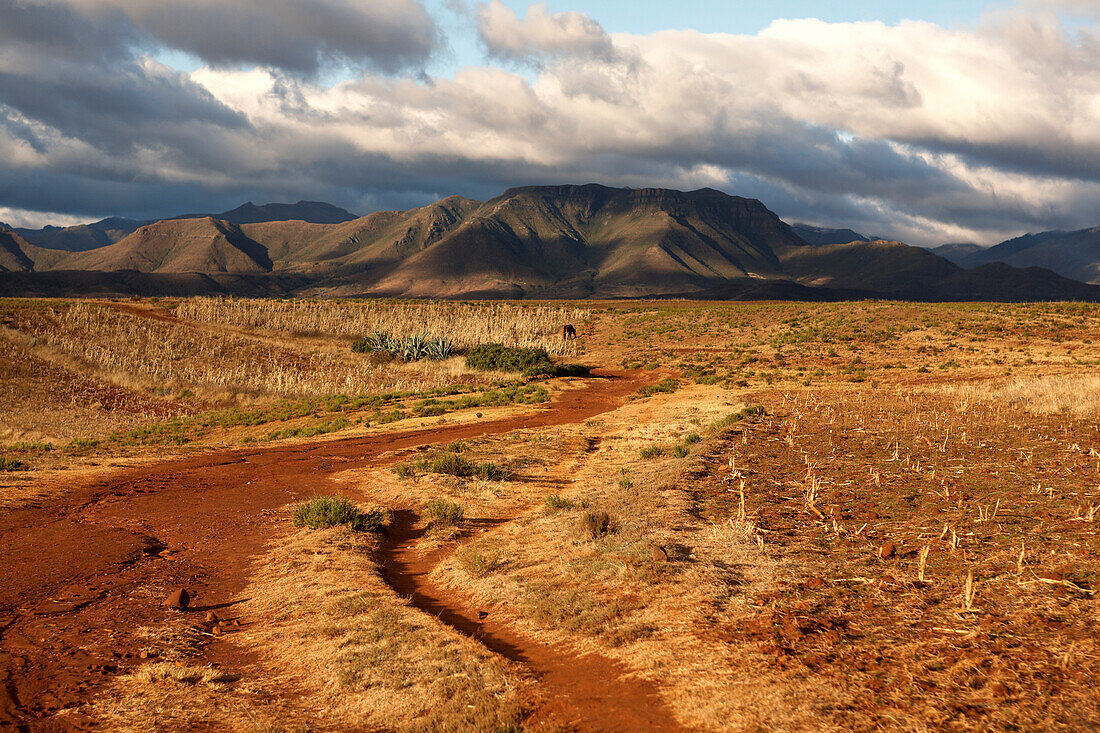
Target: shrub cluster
point(443, 513)
point(332, 511)
point(8, 463)
point(664, 386)
point(531, 362)
point(451, 464)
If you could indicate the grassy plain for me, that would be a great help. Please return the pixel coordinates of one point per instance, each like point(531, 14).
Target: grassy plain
point(854, 516)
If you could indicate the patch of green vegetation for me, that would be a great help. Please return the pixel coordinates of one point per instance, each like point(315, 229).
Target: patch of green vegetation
point(11, 463)
point(310, 431)
point(32, 446)
point(443, 513)
point(555, 503)
point(412, 348)
point(451, 464)
point(531, 362)
point(478, 564)
point(665, 386)
point(736, 417)
point(652, 451)
point(332, 511)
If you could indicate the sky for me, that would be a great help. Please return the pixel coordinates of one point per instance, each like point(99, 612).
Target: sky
point(928, 122)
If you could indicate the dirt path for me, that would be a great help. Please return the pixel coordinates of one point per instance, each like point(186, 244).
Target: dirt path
point(587, 692)
point(81, 577)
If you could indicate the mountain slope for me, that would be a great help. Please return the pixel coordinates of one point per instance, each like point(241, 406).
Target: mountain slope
point(1074, 255)
point(82, 237)
point(543, 241)
point(825, 235)
point(13, 255)
point(579, 240)
point(181, 245)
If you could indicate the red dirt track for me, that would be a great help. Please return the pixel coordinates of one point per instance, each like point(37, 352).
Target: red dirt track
point(80, 576)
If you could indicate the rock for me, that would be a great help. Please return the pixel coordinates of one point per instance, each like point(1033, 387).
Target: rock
point(211, 617)
point(482, 615)
point(178, 599)
point(216, 631)
point(814, 582)
point(658, 554)
point(886, 550)
point(236, 622)
point(1050, 577)
point(999, 689)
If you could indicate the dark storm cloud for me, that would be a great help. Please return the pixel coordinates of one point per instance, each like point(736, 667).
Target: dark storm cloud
point(294, 35)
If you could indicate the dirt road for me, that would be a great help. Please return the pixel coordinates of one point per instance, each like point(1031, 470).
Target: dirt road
point(78, 577)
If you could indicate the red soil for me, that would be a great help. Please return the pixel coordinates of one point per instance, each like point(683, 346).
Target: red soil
point(79, 576)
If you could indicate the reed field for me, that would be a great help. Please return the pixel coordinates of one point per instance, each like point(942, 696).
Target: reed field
point(467, 324)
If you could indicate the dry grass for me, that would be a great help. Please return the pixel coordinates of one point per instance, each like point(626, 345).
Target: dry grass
point(325, 626)
point(467, 324)
point(1077, 395)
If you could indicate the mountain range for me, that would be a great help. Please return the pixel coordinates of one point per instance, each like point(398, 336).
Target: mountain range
point(529, 242)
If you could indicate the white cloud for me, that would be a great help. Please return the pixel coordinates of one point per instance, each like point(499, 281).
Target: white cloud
point(541, 34)
point(910, 130)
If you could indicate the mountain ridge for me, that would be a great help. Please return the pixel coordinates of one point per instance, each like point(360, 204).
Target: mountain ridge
point(563, 241)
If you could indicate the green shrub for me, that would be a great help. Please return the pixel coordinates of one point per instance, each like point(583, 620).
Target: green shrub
point(691, 439)
point(8, 463)
point(666, 386)
point(479, 565)
point(736, 417)
point(443, 513)
point(486, 357)
point(555, 503)
point(557, 370)
point(332, 511)
point(680, 451)
point(596, 524)
point(652, 451)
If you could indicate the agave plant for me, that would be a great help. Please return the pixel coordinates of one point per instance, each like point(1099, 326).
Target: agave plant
point(441, 348)
point(414, 348)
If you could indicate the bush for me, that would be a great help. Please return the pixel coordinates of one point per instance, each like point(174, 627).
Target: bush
point(443, 513)
point(652, 451)
point(556, 503)
point(7, 463)
point(736, 417)
point(596, 524)
point(557, 370)
point(486, 357)
point(332, 511)
point(479, 565)
point(664, 386)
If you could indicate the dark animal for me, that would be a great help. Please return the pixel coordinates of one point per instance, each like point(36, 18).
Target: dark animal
point(568, 332)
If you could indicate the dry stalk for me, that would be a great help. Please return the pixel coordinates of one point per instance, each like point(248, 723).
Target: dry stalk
point(922, 562)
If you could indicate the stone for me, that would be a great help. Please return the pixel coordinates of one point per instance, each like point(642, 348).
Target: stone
point(216, 631)
point(1050, 577)
point(886, 550)
point(658, 554)
point(211, 617)
point(999, 689)
point(814, 582)
point(178, 599)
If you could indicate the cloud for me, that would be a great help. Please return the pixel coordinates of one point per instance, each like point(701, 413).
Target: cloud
point(302, 36)
point(913, 130)
point(541, 34)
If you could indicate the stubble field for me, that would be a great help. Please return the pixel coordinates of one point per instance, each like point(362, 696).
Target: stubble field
point(751, 516)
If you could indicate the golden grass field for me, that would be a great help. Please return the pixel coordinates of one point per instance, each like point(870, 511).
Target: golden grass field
point(873, 516)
